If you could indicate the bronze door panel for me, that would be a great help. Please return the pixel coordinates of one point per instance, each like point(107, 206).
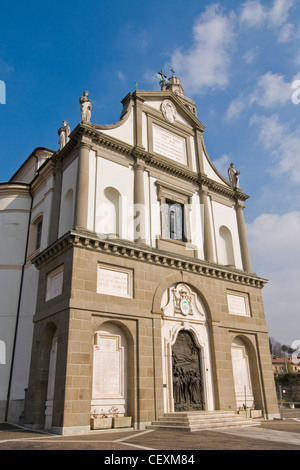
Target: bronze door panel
point(187, 380)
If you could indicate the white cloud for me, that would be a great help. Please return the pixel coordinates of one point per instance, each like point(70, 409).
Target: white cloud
point(283, 145)
point(250, 55)
point(271, 131)
point(273, 241)
point(253, 14)
point(120, 75)
point(5, 69)
point(206, 64)
point(278, 14)
point(236, 107)
point(272, 90)
point(286, 33)
point(222, 165)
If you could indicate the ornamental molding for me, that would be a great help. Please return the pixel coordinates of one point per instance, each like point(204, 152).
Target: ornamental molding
point(96, 137)
point(147, 255)
point(169, 111)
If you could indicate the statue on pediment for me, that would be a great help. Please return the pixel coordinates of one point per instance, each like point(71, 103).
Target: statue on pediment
point(64, 133)
point(85, 107)
point(233, 175)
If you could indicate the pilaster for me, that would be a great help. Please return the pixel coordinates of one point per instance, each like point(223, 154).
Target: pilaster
point(56, 201)
point(139, 203)
point(208, 245)
point(243, 237)
point(82, 187)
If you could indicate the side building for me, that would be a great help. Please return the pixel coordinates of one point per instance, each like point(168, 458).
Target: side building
point(127, 276)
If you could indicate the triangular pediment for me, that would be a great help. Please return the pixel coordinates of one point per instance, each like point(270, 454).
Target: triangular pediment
point(184, 108)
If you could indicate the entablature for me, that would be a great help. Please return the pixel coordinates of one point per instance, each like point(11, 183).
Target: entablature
point(146, 254)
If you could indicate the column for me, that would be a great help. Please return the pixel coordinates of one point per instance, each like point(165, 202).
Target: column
point(200, 144)
point(139, 204)
point(208, 244)
point(56, 201)
point(82, 188)
point(243, 237)
point(138, 122)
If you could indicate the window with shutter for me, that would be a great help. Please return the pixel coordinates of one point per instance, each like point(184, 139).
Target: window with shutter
point(175, 221)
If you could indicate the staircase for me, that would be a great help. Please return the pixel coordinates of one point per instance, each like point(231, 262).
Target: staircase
point(192, 421)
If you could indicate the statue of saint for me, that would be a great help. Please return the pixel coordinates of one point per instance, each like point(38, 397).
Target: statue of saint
point(233, 175)
point(85, 107)
point(63, 133)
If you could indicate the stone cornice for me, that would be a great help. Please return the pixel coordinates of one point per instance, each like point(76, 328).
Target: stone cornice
point(153, 160)
point(228, 191)
point(15, 189)
point(146, 254)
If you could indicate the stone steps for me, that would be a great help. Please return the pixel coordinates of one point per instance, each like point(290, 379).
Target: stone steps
point(201, 420)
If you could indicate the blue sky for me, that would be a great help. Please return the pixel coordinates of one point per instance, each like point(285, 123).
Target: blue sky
point(237, 59)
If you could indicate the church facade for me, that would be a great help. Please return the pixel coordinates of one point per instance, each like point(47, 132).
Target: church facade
point(127, 280)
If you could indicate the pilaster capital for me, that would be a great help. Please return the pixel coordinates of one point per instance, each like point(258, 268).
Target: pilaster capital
point(84, 146)
point(239, 205)
point(204, 192)
point(139, 165)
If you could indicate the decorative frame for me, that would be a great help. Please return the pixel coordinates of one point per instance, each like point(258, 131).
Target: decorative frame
point(115, 270)
point(238, 303)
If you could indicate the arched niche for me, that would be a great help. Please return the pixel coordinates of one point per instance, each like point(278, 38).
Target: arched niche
point(112, 212)
point(67, 212)
point(226, 251)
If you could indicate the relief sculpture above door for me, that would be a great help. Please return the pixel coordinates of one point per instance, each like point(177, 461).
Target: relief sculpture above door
point(187, 380)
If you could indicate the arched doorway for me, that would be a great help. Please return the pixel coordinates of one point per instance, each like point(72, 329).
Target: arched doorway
point(185, 332)
point(187, 376)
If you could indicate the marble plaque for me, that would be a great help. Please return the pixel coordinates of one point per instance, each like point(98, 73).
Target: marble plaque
point(169, 145)
point(108, 360)
point(240, 370)
point(114, 281)
point(238, 305)
point(55, 283)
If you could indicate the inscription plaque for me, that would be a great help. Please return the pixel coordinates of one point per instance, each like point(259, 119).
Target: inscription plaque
point(108, 359)
point(238, 305)
point(169, 145)
point(114, 281)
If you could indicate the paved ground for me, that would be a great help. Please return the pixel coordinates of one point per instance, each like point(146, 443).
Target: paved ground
point(270, 435)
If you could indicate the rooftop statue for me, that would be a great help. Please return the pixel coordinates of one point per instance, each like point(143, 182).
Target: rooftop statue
point(63, 133)
point(163, 80)
point(85, 107)
point(233, 175)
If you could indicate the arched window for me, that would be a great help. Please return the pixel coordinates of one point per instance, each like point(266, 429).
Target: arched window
point(175, 221)
point(39, 234)
point(35, 239)
point(226, 252)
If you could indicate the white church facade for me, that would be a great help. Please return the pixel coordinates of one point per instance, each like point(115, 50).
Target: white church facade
point(126, 279)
